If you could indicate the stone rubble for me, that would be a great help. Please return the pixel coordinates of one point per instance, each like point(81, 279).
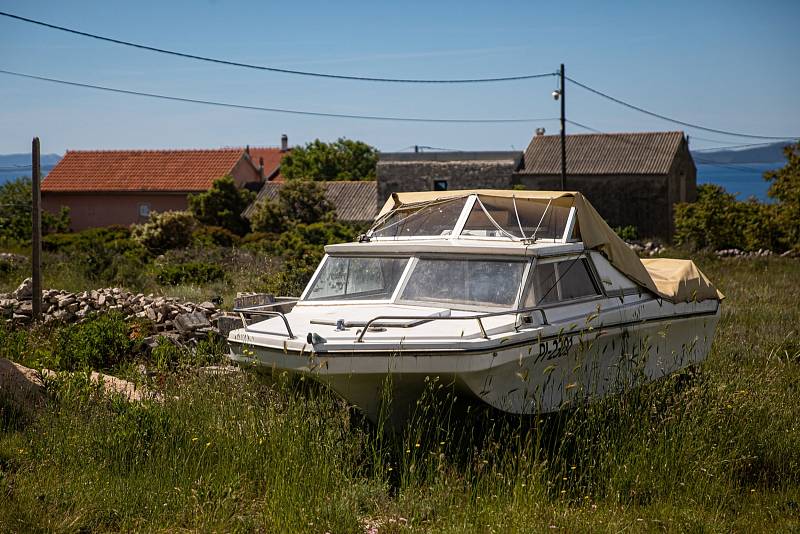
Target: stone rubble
point(648, 248)
point(736, 253)
point(173, 318)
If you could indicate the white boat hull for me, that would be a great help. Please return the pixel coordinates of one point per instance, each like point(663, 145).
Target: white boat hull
point(526, 373)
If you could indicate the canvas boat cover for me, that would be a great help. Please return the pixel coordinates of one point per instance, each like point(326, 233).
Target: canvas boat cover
point(670, 279)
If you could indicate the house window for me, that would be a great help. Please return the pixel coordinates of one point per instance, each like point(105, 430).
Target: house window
point(440, 185)
point(144, 210)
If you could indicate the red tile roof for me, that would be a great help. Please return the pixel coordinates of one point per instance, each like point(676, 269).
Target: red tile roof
point(617, 153)
point(272, 160)
point(152, 170)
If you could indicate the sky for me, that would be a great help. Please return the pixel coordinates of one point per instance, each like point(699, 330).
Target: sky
point(727, 64)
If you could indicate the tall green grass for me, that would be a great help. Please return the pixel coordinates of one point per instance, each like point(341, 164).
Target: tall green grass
point(714, 449)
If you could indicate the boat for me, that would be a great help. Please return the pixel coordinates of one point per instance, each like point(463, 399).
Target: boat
point(523, 300)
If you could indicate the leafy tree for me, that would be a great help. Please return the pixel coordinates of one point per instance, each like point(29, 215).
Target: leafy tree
point(343, 159)
point(222, 205)
point(165, 231)
point(16, 203)
point(785, 187)
point(298, 202)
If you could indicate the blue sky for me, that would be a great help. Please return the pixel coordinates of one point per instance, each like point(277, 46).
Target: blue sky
point(730, 65)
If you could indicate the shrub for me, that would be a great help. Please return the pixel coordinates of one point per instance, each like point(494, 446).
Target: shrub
point(103, 254)
point(207, 236)
point(304, 202)
point(165, 231)
point(222, 205)
point(343, 159)
point(269, 216)
point(102, 342)
point(15, 212)
point(189, 273)
point(717, 221)
point(292, 279)
point(628, 233)
point(785, 187)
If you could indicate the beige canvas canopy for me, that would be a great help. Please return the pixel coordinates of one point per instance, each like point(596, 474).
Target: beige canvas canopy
point(673, 280)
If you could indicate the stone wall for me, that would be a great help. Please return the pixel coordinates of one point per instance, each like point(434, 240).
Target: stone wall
point(464, 170)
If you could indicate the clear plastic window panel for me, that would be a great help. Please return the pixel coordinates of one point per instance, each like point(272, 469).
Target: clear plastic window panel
point(357, 278)
point(434, 219)
point(560, 281)
point(465, 282)
point(531, 218)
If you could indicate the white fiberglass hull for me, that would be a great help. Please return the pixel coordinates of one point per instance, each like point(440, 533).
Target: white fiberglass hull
point(534, 371)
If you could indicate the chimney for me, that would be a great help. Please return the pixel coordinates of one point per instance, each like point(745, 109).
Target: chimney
point(247, 150)
point(261, 168)
point(284, 143)
point(539, 131)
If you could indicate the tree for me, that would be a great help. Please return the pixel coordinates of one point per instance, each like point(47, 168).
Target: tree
point(16, 204)
point(785, 187)
point(341, 160)
point(222, 205)
point(165, 231)
point(298, 202)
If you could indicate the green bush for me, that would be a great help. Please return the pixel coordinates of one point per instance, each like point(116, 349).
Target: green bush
point(16, 200)
point(208, 236)
point(785, 188)
point(222, 205)
point(189, 273)
point(105, 255)
point(628, 233)
point(165, 231)
point(269, 217)
point(718, 221)
point(343, 159)
point(102, 342)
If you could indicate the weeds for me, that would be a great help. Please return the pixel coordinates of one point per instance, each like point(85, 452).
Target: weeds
point(712, 449)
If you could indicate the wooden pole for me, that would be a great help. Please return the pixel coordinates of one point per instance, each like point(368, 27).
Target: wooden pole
point(36, 219)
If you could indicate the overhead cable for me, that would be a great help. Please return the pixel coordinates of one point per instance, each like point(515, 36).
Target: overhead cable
point(231, 63)
point(275, 110)
point(676, 121)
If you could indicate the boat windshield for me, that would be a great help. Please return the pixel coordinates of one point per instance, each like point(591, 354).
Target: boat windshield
point(431, 219)
point(522, 218)
point(350, 278)
point(483, 283)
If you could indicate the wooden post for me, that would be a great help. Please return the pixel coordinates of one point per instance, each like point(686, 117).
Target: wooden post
point(36, 219)
point(563, 130)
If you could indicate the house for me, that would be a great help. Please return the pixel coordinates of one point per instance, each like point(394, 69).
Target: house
point(105, 187)
point(631, 178)
point(431, 171)
point(355, 202)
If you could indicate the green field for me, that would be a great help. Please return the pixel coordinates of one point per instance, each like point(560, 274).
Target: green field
point(715, 450)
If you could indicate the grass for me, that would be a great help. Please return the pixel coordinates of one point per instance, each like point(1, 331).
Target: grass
point(716, 450)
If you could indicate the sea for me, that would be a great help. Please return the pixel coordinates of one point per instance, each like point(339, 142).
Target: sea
point(742, 179)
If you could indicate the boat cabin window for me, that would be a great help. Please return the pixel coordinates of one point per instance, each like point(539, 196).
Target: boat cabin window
point(465, 282)
point(561, 281)
point(343, 278)
point(432, 219)
point(517, 216)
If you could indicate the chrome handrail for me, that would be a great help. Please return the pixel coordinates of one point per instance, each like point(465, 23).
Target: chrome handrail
point(479, 318)
point(255, 311)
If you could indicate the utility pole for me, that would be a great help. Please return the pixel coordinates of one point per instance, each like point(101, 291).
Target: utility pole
point(36, 219)
point(563, 130)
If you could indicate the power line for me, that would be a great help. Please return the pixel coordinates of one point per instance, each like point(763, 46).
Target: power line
point(276, 69)
point(676, 121)
point(272, 110)
point(723, 147)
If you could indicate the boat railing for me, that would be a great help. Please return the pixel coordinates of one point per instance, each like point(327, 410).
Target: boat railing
point(421, 319)
point(263, 312)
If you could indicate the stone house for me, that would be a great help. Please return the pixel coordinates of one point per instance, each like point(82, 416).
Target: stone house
point(105, 187)
point(631, 178)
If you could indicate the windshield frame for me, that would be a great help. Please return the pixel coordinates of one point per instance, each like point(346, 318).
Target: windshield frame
point(339, 301)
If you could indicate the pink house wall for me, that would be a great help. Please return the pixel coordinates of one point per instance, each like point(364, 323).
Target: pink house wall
point(89, 210)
